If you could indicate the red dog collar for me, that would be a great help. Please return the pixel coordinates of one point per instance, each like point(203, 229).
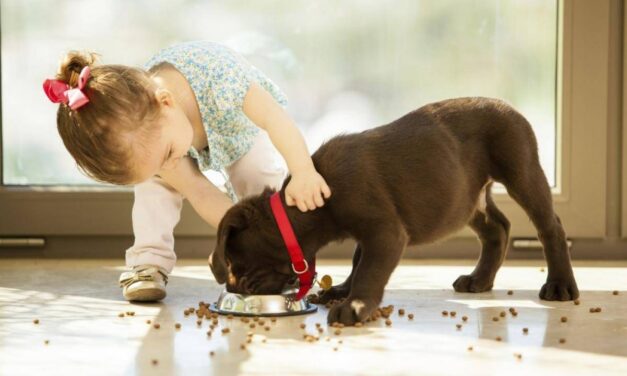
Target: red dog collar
point(304, 271)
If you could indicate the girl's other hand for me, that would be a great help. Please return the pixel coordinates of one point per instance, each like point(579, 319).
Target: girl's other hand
point(305, 190)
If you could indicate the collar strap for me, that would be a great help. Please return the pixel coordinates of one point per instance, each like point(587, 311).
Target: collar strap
point(300, 266)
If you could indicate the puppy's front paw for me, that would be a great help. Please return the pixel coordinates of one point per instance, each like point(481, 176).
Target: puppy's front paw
point(561, 290)
point(472, 283)
point(334, 293)
point(351, 311)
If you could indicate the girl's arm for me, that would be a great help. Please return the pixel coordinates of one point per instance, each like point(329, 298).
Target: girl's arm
point(208, 201)
point(306, 187)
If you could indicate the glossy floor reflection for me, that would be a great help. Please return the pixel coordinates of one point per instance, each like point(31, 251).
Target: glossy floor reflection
point(77, 304)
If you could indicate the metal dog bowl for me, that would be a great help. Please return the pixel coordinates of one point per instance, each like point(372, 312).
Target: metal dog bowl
point(262, 305)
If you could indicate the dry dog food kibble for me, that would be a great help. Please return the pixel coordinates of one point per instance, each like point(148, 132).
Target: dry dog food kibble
point(453, 313)
point(464, 318)
point(562, 340)
point(495, 318)
point(525, 330)
point(444, 313)
point(156, 326)
point(148, 322)
point(502, 314)
point(359, 324)
point(273, 319)
point(302, 326)
point(577, 302)
point(510, 292)
point(121, 314)
point(267, 328)
point(177, 325)
point(211, 353)
point(226, 330)
point(46, 342)
point(498, 338)
point(337, 332)
point(469, 348)
point(155, 362)
point(518, 356)
point(36, 321)
point(410, 316)
point(388, 322)
point(252, 325)
point(615, 292)
point(459, 326)
point(564, 319)
point(242, 346)
point(209, 333)
point(401, 312)
point(199, 322)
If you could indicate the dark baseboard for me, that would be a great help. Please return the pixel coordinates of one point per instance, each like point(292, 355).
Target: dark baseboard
point(92, 247)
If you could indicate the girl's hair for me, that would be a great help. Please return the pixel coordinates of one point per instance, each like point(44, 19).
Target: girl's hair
point(99, 134)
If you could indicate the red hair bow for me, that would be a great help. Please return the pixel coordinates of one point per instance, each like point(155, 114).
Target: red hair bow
point(60, 92)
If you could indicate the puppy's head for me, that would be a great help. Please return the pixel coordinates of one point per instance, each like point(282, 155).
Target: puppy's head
point(249, 255)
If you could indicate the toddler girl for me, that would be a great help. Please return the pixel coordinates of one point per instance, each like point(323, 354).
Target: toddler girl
point(196, 106)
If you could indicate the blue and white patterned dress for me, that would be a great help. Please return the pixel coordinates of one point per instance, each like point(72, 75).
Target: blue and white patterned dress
point(220, 79)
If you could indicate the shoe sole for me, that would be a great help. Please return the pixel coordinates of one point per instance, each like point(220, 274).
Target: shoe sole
point(145, 295)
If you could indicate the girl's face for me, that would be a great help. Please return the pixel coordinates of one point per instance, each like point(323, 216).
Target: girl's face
point(163, 151)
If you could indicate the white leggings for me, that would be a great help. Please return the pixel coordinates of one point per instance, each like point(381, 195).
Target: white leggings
point(157, 206)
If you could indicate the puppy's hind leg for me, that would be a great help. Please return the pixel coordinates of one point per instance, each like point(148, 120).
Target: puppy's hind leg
point(532, 192)
point(492, 227)
point(516, 164)
point(342, 290)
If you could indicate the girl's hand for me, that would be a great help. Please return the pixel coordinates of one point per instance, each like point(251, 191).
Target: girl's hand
point(305, 190)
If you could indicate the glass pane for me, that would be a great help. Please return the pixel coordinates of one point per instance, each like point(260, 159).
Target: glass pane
point(346, 66)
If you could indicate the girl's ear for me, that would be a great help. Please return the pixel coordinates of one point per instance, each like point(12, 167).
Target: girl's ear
point(164, 97)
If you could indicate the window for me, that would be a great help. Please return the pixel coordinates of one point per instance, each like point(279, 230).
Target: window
point(346, 66)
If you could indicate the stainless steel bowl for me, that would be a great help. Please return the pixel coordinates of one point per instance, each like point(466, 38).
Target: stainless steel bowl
point(262, 305)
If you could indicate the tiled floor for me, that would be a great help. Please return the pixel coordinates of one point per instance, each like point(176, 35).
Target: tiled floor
point(77, 304)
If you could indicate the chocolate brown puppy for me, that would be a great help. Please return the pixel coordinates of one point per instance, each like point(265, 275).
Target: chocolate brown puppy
point(413, 181)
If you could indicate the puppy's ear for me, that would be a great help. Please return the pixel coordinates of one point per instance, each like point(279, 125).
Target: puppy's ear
point(237, 218)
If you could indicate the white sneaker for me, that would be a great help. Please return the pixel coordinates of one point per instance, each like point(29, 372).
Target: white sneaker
point(145, 283)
